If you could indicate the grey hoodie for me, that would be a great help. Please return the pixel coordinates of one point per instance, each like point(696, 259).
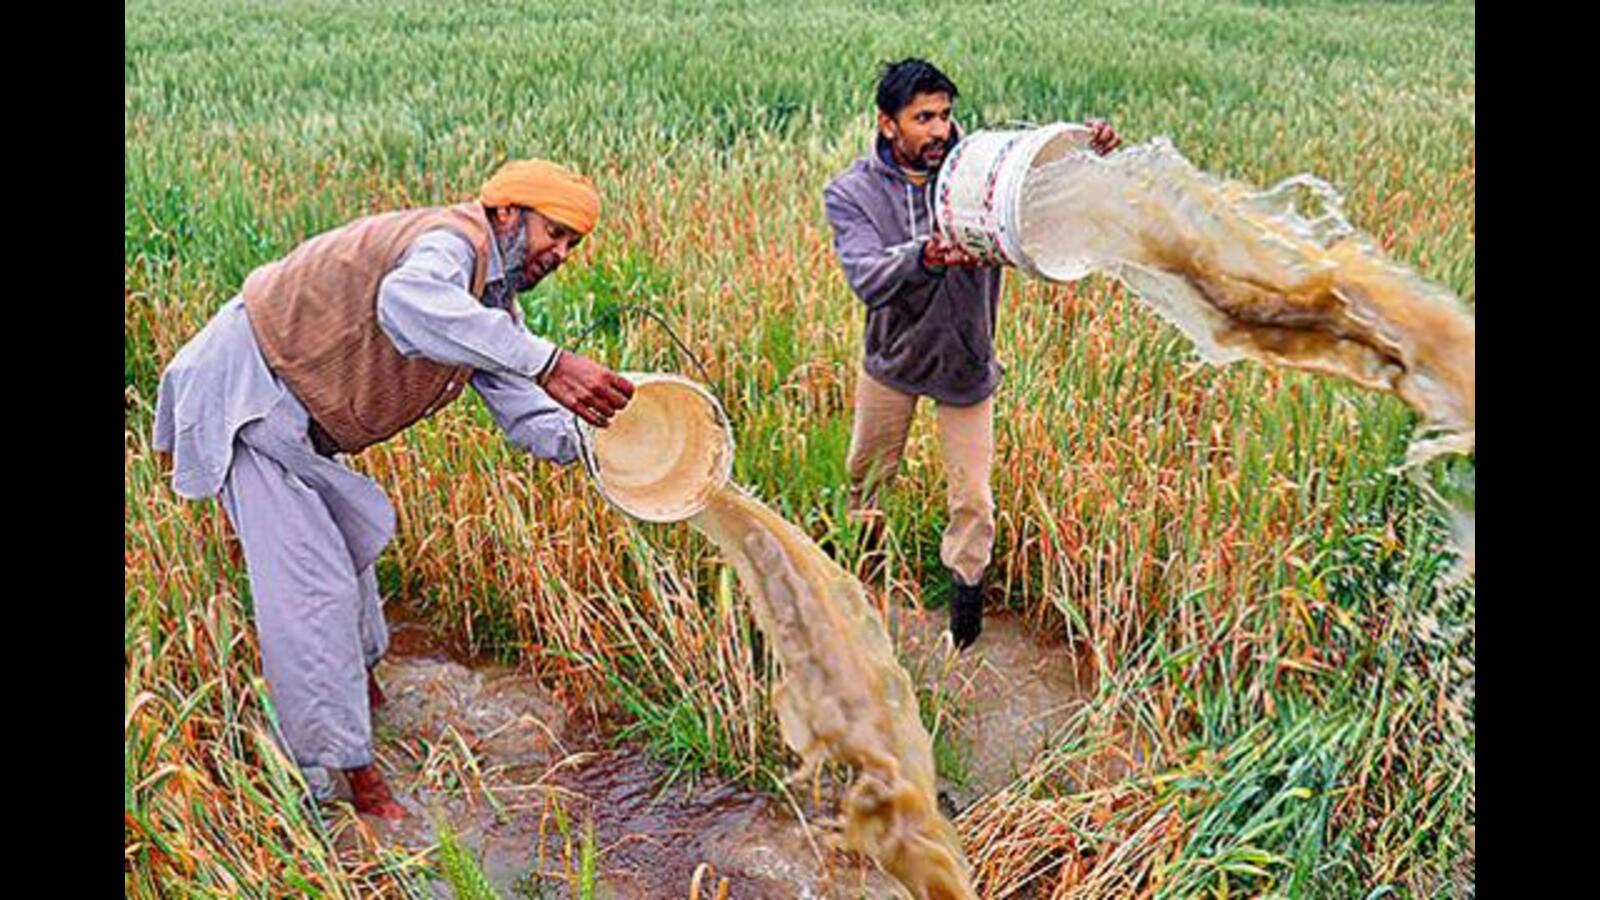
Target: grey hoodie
point(929, 331)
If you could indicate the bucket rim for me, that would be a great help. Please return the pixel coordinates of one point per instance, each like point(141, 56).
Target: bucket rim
point(591, 464)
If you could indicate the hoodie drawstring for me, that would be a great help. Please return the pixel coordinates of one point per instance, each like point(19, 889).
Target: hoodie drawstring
point(911, 218)
point(911, 212)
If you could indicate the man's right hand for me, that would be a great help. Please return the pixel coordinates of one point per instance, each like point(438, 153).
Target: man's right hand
point(941, 252)
point(593, 392)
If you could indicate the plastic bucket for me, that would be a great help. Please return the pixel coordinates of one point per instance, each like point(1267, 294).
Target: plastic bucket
point(978, 197)
point(664, 455)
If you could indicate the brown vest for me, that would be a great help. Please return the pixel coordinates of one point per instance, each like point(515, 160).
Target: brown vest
point(315, 315)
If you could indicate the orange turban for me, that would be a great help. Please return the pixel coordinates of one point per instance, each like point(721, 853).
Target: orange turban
point(561, 194)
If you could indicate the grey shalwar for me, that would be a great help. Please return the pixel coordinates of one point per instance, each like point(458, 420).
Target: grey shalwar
point(312, 528)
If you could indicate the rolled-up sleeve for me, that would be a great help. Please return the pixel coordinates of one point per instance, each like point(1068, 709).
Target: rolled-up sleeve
point(877, 273)
point(527, 415)
point(426, 308)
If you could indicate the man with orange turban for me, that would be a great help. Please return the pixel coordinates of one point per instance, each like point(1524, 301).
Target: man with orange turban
point(349, 339)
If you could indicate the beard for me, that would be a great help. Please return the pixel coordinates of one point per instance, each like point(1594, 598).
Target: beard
point(514, 256)
point(920, 161)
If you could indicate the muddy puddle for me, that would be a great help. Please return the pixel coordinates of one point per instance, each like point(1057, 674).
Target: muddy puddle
point(519, 777)
point(1009, 693)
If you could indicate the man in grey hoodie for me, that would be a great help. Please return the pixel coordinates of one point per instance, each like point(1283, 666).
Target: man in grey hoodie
point(930, 323)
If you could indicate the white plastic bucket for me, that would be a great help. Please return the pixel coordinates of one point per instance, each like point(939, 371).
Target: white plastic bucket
point(978, 197)
point(665, 454)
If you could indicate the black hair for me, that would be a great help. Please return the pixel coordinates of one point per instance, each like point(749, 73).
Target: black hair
point(903, 80)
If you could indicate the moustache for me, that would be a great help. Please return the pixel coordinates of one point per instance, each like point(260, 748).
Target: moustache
point(544, 265)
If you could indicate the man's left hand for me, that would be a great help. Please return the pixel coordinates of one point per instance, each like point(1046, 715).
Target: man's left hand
point(1102, 137)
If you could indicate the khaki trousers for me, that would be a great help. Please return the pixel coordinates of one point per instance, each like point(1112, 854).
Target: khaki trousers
point(966, 441)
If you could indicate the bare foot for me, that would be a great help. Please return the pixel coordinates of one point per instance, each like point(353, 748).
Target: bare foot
point(372, 797)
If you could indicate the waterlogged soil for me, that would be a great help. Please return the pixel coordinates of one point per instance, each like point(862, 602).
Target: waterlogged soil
point(493, 752)
point(1011, 693)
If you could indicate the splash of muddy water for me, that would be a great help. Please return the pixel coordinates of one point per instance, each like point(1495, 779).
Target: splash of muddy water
point(1278, 276)
point(844, 696)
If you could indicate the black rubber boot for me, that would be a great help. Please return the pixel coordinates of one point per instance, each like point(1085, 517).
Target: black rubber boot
point(966, 613)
